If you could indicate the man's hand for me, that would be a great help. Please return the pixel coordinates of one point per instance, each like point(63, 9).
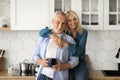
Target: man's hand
point(59, 66)
point(43, 62)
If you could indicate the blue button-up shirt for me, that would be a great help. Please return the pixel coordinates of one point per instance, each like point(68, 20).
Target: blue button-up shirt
point(62, 55)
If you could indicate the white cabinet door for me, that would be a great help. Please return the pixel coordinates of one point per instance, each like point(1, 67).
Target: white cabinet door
point(112, 14)
point(90, 13)
point(62, 5)
point(29, 14)
point(59, 5)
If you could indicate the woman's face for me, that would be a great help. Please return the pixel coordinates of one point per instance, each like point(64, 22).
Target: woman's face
point(72, 22)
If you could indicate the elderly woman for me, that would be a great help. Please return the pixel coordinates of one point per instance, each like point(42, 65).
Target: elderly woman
point(79, 34)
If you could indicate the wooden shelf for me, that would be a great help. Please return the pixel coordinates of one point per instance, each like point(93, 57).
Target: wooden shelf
point(7, 28)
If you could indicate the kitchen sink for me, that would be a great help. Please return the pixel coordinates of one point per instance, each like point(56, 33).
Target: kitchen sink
point(111, 73)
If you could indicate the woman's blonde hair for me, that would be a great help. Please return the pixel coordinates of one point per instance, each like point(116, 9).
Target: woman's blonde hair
point(71, 12)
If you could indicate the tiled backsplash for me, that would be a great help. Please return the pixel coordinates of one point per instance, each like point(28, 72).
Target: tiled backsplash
point(101, 46)
point(19, 45)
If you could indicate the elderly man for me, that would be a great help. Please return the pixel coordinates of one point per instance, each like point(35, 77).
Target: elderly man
point(47, 49)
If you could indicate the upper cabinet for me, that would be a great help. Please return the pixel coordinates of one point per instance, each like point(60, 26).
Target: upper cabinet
point(112, 14)
point(90, 13)
point(62, 5)
point(59, 5)
point(29, 14)
point(36, 14)
point(98, 14)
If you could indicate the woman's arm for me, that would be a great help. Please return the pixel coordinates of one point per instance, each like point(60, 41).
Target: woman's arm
point(79, 48)
point(74, 49)
point(46, 32)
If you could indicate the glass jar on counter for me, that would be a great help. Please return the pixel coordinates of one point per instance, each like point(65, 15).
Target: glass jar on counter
point(4, 21)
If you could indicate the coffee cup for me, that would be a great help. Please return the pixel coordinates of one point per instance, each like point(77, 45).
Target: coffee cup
point(51, 62)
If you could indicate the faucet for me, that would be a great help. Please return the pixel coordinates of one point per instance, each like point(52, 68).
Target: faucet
point(117, 55)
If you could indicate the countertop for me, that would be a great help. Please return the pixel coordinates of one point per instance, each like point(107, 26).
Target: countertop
point(98, 75)
point(4, 74)
point(94, 75)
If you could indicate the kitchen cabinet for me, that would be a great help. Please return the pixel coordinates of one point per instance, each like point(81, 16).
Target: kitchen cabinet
point(112, 14)
point(30, 14)
point(98, 14)
point(59, 5)
point(90, 13)
point(93, 14)
point(89, 17)
point(35, 14)
point(62, 5)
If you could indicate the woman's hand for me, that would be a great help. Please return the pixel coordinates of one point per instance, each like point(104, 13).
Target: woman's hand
point(58, 41)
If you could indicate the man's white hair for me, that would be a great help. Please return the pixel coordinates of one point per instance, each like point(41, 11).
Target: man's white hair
point(58, 13)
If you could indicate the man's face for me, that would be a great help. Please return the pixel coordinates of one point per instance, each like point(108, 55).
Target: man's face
point(59, 23)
